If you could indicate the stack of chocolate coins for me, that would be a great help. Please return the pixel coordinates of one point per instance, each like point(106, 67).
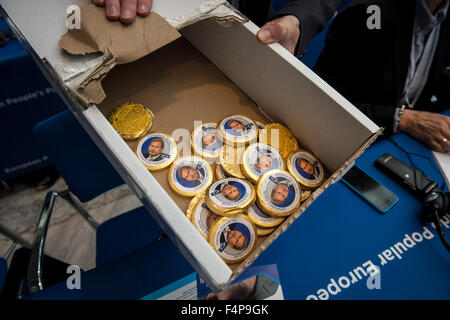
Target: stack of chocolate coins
point(261, 175)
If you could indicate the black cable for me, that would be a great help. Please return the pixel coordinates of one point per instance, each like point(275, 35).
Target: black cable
point(439, 229)
point(409, 159)
point(435, 216)
point(408, 154)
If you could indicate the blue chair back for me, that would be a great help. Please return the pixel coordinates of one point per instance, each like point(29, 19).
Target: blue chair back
point(128, 278)
point(86, 171)
point(3, 272)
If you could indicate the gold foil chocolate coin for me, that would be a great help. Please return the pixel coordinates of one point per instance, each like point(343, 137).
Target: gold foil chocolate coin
point(230, 160)
point(259, 158)
point(230, 196)
point(200, 216)
point(131, 120)
point(205, 140)
point(278, 193)
point(190, 176)
point(279, 137)
point(261, 231)
point(238, 129)
point(233, 238)
point(261, 126)
point(220, 173)
point(305, 194)
point(156, 151)
point(306, 169)
point(261, 219)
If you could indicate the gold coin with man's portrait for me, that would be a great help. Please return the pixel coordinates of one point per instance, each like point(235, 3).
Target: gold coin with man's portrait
point(156, 151)
point(205, 140)
point(200, 215)
point(259, 158)
point(278, 193)
point(190, 176)
point(233, 238)
point(306, 169)
point(230, 196)
point(238, 130)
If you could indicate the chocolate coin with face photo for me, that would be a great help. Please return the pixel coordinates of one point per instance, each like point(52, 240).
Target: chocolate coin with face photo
point(156, 151)
point(238, 129)
point(306, 169)
point(259, 158)
point(190, 176)
point(262, 219)
point(200, 215)
point(233, 238)
point(230, 196)
point(205, 140)
point(278, 193)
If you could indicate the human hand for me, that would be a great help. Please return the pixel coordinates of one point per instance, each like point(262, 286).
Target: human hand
point(285, 30)
point(432, 129)
point(238, 291)
point(125, 10)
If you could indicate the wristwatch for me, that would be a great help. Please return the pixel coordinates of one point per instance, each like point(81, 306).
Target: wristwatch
point(398, 114)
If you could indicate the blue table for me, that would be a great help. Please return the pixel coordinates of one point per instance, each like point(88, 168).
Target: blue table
point(317, 255)
point(338, 238)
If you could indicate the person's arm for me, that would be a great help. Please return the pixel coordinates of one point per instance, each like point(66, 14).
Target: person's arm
point(352, 63)
point(432, 129)
point(297, 23)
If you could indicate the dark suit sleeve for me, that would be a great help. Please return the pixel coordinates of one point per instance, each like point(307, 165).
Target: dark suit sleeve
point(313, 16)
point(351, 64)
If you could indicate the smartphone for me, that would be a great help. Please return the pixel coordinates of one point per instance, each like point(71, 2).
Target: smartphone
point(372, 191)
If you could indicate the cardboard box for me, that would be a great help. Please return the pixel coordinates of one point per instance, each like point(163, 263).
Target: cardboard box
point(201, 62)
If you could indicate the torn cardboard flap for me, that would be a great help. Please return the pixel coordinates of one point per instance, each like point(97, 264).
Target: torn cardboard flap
point(120, 43)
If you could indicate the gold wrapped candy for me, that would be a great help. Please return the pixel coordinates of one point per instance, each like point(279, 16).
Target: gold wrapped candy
point(200, 215)
point(230, 196)
point(156, 150)
point(230, 159)
point(261, 219)
point(233, 238)
point(278, 193)
point(190, 176)
point(238, 130)
point(306, 169)
point(279, 137)
point(205, 140)
point(131, 120)
point(259, 158)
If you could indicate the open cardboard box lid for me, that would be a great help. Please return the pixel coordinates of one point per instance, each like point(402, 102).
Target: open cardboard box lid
point(279, 86)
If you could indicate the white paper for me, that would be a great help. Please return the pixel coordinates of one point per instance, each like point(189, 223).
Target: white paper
point(443, 160)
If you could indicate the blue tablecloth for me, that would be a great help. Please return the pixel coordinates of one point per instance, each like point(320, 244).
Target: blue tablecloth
point(328, 252)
